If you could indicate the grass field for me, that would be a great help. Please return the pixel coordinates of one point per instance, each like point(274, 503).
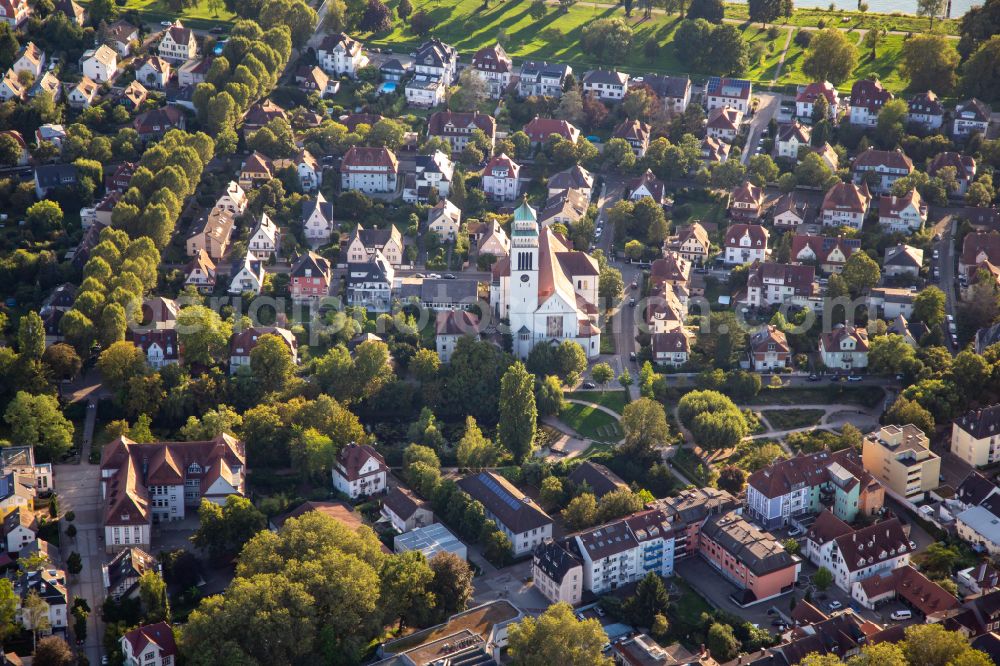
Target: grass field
point(591, 423)
point(613, 400)
point(200, 16)
point(789, 419)
point(869, 396)
point(812, 17)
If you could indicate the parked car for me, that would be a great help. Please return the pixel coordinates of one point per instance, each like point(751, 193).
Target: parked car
point(631, 302)
point(854, 378)
point(631, 356)
point(813, 377)
point(589, 385)
point(834, 605)
point(913, 545)
point(901, 615)
point(449, 276)
point(794, 532)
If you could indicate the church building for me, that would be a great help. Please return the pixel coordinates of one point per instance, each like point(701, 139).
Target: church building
point(547, 291)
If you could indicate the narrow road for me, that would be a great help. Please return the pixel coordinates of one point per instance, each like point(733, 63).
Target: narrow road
point(781, 60)
point(766, 110)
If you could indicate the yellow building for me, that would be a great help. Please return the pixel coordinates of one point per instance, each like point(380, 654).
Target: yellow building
point(900, 457)
point(975, 437)
point(16, 492)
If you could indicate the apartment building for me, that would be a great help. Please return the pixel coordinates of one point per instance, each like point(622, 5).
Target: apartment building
point(515, 514)
point(975, 436)
point(900, 457)
point(557, 572)
point(854, 555)
point(369, 170)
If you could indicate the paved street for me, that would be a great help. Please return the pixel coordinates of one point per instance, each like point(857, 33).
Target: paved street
point(78, 488)
point(767, 109)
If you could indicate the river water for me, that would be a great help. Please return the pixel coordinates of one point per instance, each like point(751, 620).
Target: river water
point(958, 7)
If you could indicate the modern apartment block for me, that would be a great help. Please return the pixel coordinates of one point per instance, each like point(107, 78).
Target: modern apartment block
point(974, 436)
point(900, 457)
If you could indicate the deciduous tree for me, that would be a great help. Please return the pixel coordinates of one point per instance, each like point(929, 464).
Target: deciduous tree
point(557, 637)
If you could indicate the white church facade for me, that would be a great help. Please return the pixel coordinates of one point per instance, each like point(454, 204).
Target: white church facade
point(547, 291)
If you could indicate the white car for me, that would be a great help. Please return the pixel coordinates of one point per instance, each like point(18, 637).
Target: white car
point(901, 615)
point(166, 24)
point(835, 605)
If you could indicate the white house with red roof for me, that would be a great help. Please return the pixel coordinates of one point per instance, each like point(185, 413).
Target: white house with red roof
point(339, 54)
point(100, 64)
point(745, 244)
point(359, 471)
point(29, 59)
point(881, 168)
point(964, 166)
point(746, 201)
point(159, 481)
point(245, 341)
point(540, 129)
point(14, 12)
point(724, 123)
point(806, 99)
point(906, 214)
point(495, 66)
point(790, 138)
point(500, 178)
point(845, 205)
point(369, 170)
point(769, 349)
point(150, 645)
point(844, 348)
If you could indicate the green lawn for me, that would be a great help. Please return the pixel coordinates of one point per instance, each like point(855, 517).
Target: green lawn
point(591, 423)
point(885, 65)
point(764, 70)
point(869, 396)
point(808, 17)
point(692, 467)
point(201, 15)
point(613, 400)
point(789, 419)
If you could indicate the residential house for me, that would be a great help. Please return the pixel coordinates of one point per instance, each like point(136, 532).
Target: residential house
point(902, 260)
point(674, 91)
point(751, 559)
point(178, 43)
point(46, 83)
point(312, 79)
point(496, 67)
point(369, 170)
point(573, 178)
point(369, 283)
point(636, 133)
point(926, 110)
point(805, 100)
point(901, 459)
point(260, 114)
point(364, 244)
point(450, 326)
point(714, 151)
point(557, 572)
point(405, 511)
point(121, 575)
point(964, 166)
point(790, 139)
point(691, 243)
point(394, 70)
point(11, 87)
point(158, 345)
point(975, 437)
point(425, 92)
point(722, 92)
point(193, 72)
point(515, 514)
point(247, 276)
point(50, 177)
point(970, 117)
point(359, 471)
point(437, 60)
point(540, 130)
point(133, 96)
point(829, 156)
point(605, 84)
point(845, 205)
point(457, 128)
point(84, 94)
point(234, 199)
point(14, 12)
point(542, 79)
point(745, 243)
point(881, 168)
point(265, 240)
point(438, 293)
point(855, 555)
point(100, 64)
point(256, 170)
point(157, 122)
point(433, 173)
point(49, 133)
point(201, 272)
point(774, 284)
point(826, 253)
point(310, 277)
point(892, 302)
point(724, 123)
point(50, 585)
point(867, 99)
point(746, 202)
point(489, 238)
point(340, 55)
point(30, 59)
point(150, 645)
point(245, 341)
point(120, 36)
point(212, 233)
point(769, 349)
point(789, 212)
point(844, 348)
point(444, 219)
point(160, 481)
point(671, 269)
point(906, 584)
point(317, 219)
point(598, 479)
point(20, 529)
point(981, 578)
point(977, 248)
point(567, 207)
point(979, 525)
point(806, 485)
point(671, 348)
point(500, 178)
point(904, 214)
point(153, 71)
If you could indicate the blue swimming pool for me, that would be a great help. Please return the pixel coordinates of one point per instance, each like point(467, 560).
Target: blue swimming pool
point(389, 87)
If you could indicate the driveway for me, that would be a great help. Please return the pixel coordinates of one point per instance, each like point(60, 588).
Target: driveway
point(510, 583)
point(708, 582)
point(78, 488)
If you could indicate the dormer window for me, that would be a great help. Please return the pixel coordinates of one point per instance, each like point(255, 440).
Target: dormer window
point(194, 468)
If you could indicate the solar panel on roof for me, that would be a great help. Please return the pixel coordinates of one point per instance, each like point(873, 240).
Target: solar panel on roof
point(500, 491)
